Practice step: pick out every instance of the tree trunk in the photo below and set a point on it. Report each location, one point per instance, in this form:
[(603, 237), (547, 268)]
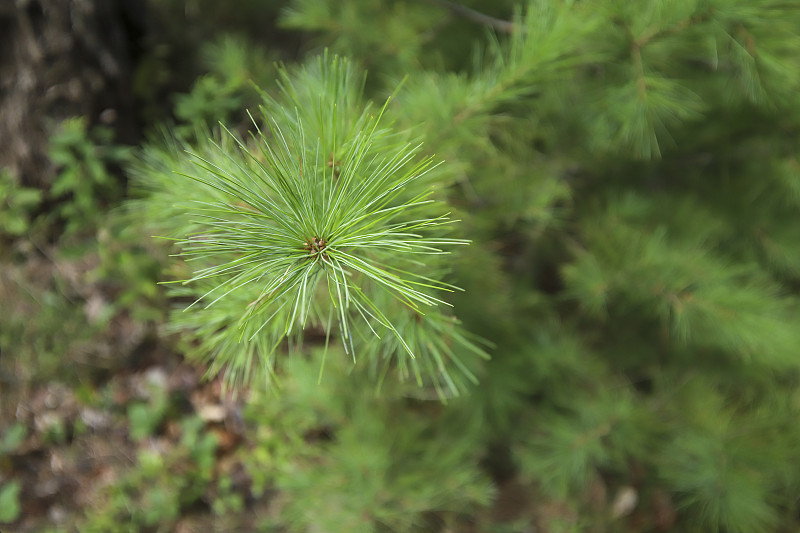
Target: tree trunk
[(63, 58)]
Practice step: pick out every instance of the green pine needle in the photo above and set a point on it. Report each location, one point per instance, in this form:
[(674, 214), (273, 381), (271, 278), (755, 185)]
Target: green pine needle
[(317, 217)]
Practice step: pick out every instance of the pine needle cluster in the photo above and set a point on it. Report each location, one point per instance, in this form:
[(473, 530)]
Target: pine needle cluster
[(325, 220)]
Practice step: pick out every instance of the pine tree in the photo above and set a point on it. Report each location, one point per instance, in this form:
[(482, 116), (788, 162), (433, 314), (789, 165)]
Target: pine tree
[(626, 176)]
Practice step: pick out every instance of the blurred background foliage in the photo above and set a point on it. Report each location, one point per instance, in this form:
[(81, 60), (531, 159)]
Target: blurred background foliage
[(628, 175)]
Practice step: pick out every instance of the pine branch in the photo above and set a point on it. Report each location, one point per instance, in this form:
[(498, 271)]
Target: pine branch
[(475, 16), (323, 218)]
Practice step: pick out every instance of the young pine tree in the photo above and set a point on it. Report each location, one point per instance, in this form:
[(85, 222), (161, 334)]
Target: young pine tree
[(627, 175)]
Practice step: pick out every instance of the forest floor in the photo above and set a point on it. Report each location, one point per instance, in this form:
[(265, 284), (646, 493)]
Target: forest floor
[(82, 403)]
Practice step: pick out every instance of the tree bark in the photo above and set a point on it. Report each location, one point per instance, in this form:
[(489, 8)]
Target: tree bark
[(58, 59)]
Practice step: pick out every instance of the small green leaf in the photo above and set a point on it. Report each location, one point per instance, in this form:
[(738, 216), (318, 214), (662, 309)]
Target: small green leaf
[(9, 502), (13, 437), (143, 421)]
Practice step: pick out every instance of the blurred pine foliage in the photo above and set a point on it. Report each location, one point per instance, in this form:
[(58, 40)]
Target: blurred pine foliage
[(627, 174)]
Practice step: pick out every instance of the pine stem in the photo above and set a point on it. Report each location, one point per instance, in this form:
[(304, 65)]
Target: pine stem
[(476, 16)]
